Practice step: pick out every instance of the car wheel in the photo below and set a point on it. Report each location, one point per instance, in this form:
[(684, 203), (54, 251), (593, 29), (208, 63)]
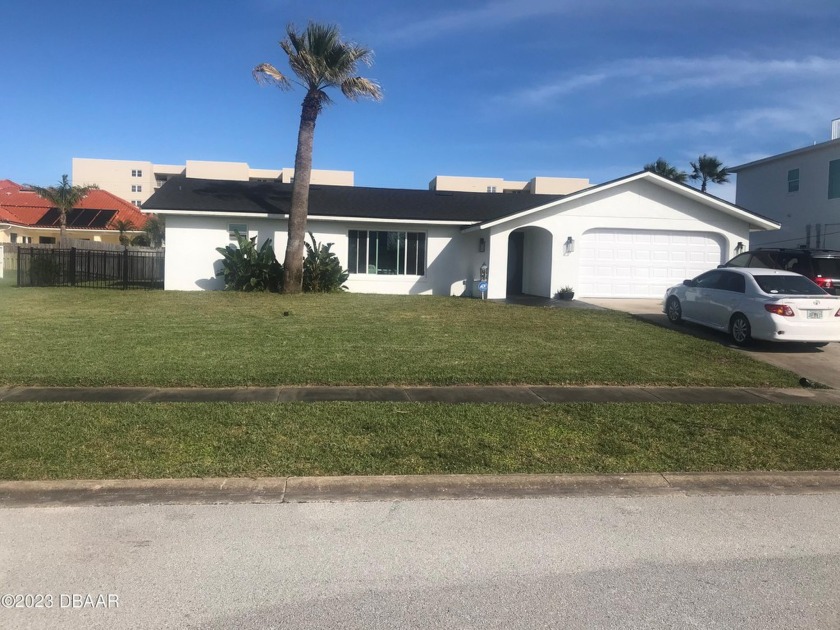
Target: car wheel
[(673, 310), (739, 329)]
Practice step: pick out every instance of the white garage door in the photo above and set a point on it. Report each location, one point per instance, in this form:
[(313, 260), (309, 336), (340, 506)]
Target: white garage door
[(642, 263)]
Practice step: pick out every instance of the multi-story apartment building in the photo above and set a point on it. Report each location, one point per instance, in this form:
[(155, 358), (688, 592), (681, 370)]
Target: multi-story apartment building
[(799, 189), (535, 186), (136, 180)]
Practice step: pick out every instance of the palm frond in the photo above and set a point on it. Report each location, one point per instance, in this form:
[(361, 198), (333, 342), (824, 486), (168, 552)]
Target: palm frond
[(355, 88), (266, 74)]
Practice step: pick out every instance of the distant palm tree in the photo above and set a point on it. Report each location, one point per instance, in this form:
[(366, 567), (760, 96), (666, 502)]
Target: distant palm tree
[(64, 198), (155, 230), (707, 169), (321, 60), (663, 169), (124, 226)]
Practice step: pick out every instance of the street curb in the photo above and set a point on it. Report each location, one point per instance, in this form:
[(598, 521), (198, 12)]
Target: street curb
[(117, 492)]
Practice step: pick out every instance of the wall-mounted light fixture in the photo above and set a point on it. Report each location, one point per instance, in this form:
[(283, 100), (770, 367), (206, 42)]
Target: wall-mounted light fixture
[(482, 245), (569, 246), (739, 248)]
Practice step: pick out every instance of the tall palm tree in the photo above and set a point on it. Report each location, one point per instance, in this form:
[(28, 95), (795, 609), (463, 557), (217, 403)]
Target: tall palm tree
[(64, 197), (663, 169), (707, 169), (320, 60)]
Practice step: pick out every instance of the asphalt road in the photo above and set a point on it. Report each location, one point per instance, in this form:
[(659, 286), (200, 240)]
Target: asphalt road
[(644, 562)]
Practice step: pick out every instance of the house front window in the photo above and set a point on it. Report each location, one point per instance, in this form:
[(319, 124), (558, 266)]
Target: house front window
[(235, 228), (387, 253), (834, 179), (793, 180)]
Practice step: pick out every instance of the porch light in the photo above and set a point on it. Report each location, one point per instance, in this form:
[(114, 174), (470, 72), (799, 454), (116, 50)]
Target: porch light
[(482, 245), (739, 248), (569, 245)]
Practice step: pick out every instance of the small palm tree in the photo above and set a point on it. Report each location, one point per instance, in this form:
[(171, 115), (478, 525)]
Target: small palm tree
[(124, 226), (64, 198), (155, 230), (663, 169), (320, 60), (707, 169)]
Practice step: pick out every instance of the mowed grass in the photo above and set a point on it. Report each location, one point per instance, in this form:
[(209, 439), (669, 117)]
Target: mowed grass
[(97, 440), (89, 337)]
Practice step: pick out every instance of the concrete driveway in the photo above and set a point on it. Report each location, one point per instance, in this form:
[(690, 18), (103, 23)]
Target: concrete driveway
[(821, 365)]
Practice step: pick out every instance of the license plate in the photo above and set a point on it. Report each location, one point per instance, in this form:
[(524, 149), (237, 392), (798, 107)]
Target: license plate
[(814, 314)]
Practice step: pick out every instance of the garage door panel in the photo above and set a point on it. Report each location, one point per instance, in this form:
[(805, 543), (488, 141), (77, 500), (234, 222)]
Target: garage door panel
[(642, 263)]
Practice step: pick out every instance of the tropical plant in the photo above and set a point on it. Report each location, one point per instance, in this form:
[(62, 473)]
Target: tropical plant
[(141, 240), (322, 272), (320, 59), (707, 169), (663, 169), (64, 198), (124, 226), (565, 293), (246, 268), (155, 230)]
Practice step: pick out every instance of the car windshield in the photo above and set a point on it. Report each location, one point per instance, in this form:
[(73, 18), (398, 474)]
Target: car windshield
[(827, 267), (788, 285)]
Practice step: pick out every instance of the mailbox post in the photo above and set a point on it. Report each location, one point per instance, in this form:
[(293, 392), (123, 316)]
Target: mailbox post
[(482, 280)]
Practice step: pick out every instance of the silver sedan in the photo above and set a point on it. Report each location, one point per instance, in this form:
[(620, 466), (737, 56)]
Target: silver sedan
[(751, 303)]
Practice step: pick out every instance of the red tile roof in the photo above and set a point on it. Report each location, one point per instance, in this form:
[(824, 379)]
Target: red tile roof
[(20, 205)]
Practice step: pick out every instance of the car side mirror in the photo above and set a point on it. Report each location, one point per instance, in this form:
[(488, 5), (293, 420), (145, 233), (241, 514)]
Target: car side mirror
[(688, 283), (721, 266)]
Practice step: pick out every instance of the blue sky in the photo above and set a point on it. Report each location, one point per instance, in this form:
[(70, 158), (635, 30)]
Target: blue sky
[(499, 88)]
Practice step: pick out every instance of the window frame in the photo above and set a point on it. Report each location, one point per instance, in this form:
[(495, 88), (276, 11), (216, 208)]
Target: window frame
[(362, 244), (834, 179), (793, 182), (232, 231)]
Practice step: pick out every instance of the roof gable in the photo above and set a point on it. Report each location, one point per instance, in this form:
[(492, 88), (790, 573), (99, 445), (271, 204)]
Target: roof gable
[(684, 190)]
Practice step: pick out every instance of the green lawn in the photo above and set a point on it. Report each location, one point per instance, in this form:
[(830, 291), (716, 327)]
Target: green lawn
[(66, 336), (89, 441)]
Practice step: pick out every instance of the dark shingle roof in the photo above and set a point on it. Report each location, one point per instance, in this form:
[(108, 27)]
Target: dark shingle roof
[(229, 197)]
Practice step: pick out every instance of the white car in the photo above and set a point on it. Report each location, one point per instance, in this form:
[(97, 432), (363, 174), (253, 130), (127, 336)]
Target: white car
[(753, 303)]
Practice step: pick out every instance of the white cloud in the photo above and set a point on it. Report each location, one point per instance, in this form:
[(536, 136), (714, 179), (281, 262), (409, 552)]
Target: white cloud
[(661, 75), (487, 15)]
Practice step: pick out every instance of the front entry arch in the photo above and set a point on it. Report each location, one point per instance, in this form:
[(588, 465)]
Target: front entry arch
[(529, 262)]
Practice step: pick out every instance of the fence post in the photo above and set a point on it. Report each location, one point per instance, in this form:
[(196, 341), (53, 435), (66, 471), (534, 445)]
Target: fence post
[(125, 268), (72, 270)]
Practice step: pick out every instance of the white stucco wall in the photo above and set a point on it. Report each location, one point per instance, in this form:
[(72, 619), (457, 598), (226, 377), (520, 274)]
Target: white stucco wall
[(638, 204), (763, 189), (452, 255), (192, 260)]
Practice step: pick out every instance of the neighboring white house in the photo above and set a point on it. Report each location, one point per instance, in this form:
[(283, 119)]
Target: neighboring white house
[(799, 189), (632, 237)]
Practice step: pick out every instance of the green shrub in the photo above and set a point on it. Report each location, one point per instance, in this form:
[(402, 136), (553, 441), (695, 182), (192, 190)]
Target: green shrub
[(44, 271), (246, 268), (322, 272)]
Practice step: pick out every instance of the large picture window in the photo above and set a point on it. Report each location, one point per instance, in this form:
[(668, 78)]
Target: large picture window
[(387, 253)]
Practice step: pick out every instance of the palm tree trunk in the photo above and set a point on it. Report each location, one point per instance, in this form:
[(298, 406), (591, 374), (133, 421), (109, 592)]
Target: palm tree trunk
[(293, 263), (62, 227)]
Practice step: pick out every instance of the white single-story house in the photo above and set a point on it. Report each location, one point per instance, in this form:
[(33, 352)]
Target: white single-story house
[(631, 237)]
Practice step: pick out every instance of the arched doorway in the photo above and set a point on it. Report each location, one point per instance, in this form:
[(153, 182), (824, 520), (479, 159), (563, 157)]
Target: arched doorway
[(529, 262)]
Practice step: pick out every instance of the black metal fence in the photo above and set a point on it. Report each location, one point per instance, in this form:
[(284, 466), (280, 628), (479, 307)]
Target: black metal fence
[(54, 267)]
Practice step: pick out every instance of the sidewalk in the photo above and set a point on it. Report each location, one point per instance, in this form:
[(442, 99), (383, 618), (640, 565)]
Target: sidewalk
[(533, 394)]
